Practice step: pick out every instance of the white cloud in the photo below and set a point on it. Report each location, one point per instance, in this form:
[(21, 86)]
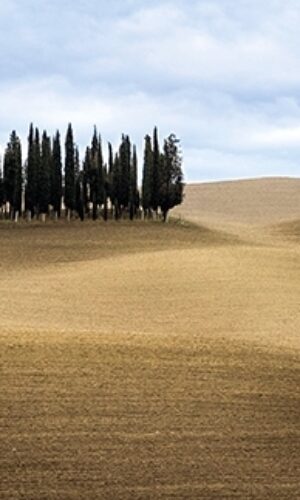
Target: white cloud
[(224, 75), (279, 137)]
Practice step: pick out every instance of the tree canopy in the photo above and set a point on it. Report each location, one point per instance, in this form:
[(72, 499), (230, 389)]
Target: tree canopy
[(90, 188)]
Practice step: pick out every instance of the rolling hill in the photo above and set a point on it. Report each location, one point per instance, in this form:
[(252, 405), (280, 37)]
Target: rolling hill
[(253, 201), (142, 360)]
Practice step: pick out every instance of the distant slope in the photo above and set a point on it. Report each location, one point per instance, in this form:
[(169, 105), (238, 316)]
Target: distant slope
[(254, 201)]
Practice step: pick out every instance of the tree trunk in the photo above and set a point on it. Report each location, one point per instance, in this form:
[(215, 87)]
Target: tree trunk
[(117, 211), (94, 210), (165, 214), (105, 210)]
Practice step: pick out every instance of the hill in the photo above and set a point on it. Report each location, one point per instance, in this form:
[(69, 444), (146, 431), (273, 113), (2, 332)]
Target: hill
[(253, 201), (143, 360)]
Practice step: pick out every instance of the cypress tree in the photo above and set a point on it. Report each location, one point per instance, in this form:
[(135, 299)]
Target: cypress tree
[(80, 196), (87, 166), (18, 181), (70, 190), (13, 175), (37, 167), (56, 179), (1, 190), (133, 189), (95, 175), (44, 179), (8, 173), (105, 192), (171, 176), (31, 176), (101, 174), (116, 186), (125, 157), (110, 173), (77, 163), (155, 172), (147, 183)]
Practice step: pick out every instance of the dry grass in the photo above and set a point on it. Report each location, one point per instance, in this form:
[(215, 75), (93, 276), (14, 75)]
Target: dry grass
[(149, 361), (253, 201)]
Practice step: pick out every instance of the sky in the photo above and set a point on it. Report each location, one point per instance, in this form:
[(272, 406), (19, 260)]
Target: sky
[(223, 75)]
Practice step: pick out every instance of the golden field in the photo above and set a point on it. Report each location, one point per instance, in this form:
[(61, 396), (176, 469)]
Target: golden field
[(142, 360)]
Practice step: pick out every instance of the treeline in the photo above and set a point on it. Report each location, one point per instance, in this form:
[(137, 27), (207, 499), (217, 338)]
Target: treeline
[(89, 188)]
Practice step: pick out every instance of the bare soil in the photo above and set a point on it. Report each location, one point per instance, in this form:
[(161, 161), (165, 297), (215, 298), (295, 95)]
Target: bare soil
[(151, 361)]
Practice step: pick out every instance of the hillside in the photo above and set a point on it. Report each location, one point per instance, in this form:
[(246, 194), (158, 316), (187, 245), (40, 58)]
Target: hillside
[(150, 360), (254, 201)]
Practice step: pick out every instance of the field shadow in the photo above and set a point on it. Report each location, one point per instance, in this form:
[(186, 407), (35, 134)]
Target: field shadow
[(287, 229), (35, 244)]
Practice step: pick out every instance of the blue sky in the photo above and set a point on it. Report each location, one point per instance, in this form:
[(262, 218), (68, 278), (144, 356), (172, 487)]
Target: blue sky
[(224, 75)]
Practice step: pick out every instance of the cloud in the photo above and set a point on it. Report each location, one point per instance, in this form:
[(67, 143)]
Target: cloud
[(225, 76), (279, 137)]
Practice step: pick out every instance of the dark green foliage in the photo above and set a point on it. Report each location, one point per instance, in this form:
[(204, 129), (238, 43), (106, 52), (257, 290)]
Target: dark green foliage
[(87, 165), (56, 177), (100, 175), (80, 195), (37, 161), (13, 174), (90, 189), (134, 200), (155, 172), (171, 176), (70, 189), (76, 163), (116, 186), (113, 183), (147, 186), (105, 192), (31, 187), (44, 175), (93, 176), (1, 189), (125, 157), (94, 173), (110, 172)]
